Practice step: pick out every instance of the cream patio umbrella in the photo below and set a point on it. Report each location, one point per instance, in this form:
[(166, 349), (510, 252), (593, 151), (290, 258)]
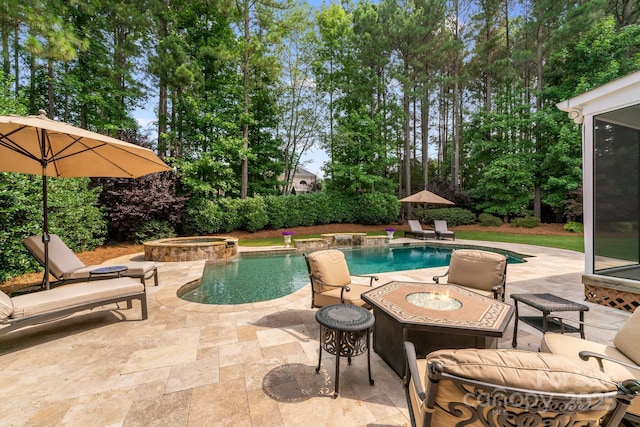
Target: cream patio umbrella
[(41, 146), (426, 197)]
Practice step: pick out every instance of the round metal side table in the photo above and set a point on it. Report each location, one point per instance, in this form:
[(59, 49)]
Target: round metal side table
[(345, 331)]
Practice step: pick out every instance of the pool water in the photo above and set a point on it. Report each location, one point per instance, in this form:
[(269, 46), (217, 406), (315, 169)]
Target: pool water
[(253, 278)]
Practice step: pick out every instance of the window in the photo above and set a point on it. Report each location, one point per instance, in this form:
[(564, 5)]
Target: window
[(616, 184)]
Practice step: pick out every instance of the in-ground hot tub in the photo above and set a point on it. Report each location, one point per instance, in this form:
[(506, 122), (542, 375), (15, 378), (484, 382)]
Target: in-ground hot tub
[(219, 248)]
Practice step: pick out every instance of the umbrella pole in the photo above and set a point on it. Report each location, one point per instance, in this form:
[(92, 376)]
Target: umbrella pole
[(45, 221), (45, 231)]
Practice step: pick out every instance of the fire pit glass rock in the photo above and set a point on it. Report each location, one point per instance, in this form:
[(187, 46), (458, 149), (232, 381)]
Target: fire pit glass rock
[(434, 301)]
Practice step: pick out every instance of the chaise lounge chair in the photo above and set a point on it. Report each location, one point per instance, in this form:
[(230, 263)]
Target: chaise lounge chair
[(442, 231), (66, 267), (331, 282), (491, 387), (418, 232), (481, 271), (37, 307)]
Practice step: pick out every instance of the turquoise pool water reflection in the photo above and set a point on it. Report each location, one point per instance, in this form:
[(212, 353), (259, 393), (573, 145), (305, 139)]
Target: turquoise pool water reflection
[(253, 278)]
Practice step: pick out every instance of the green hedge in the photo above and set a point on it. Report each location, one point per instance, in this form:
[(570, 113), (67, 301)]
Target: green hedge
[(453, 216), (275, 212)]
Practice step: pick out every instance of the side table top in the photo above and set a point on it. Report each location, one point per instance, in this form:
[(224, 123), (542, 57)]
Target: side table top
[(111, 269), (345, 317), (549, 302)]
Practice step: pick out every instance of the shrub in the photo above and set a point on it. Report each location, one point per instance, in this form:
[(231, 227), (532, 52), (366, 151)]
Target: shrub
[(488, 220), (453, 216), (153, 230), (525, 222), (254, 213), (230, 218), (574, 227), (202, 217), (376, 208)]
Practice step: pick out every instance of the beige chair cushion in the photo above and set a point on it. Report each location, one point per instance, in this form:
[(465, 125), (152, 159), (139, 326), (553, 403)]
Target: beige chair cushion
[(476, 269), (133, 269), (65, 265), (62, 297), (627, 339), (6, 306), (541, 372), (569, 347), (329, 266), (351, 297), (61, 258)]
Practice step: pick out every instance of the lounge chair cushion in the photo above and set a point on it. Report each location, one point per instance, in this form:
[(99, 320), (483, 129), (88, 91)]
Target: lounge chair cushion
[(6, 306), (511, 368), (62, 297), (626, 339), (329, 266), (65, 265), (476, 269), (133, 269), (570, 346)]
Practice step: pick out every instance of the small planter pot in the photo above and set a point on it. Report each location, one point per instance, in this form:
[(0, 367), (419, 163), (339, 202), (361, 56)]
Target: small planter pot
[(287, 241), (390, 234)]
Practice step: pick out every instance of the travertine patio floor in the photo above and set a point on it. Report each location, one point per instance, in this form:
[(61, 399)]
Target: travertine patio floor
[(247, 365)]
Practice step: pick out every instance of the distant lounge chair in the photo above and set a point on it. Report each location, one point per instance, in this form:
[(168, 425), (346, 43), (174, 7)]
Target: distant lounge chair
[(441, 230), (418, 232), (66, 267)]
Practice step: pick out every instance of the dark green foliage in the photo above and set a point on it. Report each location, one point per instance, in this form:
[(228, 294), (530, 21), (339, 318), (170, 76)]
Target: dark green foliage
[(254, 213), (153, 230), (230, 216), (453, 216), (574, 227), (202, 217), (488, 220), (377, 208), (73, 215), (276, 210), (525, 222)]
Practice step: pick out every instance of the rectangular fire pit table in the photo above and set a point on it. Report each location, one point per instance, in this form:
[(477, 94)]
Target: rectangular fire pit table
[(464, 320)]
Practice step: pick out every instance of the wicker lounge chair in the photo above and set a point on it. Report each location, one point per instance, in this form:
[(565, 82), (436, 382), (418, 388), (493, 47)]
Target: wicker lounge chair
[(37, 307), (481, 271), (331, 282), (492, 387), (418, 232), (66, 267), (442, 232)]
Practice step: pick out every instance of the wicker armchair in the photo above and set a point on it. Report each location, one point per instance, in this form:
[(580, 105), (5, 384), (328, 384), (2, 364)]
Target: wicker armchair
[(489, 387)]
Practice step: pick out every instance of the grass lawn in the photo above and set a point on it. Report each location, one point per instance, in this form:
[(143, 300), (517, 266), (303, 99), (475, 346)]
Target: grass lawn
[(574, 243)]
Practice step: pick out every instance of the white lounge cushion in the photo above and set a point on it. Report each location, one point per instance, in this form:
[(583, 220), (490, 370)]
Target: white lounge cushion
[(67, 296), (6, 306)]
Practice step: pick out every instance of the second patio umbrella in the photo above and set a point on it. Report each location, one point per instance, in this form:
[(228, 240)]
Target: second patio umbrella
[(41, 146)]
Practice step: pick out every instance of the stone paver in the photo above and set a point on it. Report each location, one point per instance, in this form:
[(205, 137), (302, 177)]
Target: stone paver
[(246, 365)]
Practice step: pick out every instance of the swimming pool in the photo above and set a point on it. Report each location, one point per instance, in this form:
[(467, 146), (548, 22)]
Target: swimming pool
[(253, 278)]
